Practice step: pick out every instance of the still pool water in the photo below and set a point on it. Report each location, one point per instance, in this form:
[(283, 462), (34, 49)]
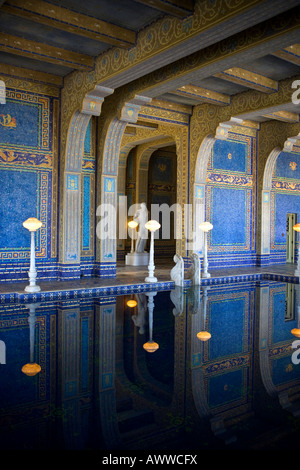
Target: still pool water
[(98, 388)]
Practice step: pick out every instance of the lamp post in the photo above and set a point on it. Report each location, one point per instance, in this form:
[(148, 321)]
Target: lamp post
[(297, 229), (132, 225), (205, 227), (32, 224), (152, 226)]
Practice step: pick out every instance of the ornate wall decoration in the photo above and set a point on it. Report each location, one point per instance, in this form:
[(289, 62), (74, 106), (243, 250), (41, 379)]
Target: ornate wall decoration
[(28, 169)]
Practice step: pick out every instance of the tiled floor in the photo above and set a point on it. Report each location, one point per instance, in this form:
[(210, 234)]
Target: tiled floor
[(132, 275)]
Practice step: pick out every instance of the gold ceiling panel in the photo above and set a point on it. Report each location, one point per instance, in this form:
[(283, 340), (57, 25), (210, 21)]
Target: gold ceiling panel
[(70, 21), (202, 95), (39, 51), (249, 79), (179, 8), (290, 54)]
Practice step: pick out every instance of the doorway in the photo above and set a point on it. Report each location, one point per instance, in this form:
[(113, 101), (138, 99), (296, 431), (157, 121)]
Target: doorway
[(290, 237)]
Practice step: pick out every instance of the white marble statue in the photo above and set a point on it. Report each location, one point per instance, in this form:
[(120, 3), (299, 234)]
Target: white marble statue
[(141, 217), (177, 273), (194, 271)]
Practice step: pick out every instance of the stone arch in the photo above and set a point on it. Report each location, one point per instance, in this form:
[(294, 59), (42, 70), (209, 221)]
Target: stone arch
[(106, 252), (70, 216), (199, 191), (265, 247)]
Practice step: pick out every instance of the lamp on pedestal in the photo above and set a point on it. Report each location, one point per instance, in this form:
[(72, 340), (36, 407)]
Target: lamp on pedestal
[(132, 225), (151, 346), (32, 224), (205, 227), (152, 226), (297, 229)]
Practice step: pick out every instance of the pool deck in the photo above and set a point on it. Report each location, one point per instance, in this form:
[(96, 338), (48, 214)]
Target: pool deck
[(130, 279)]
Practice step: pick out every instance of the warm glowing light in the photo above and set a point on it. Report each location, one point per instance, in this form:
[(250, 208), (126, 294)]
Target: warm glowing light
[(132, 303), (132, 224), (31, 369), (296, 332), (152, 225), (205, 226), (32, 224), (297, 227), (151, 346), (203, 335)]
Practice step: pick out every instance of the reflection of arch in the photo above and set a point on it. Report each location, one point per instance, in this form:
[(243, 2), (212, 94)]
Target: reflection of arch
[(2, 352), (70, 220), (265, 325), (198, 348), (266, 195)]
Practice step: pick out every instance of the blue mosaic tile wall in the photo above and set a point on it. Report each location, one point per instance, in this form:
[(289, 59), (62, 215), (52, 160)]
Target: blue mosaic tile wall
[(284, 199), (28, 184), (230, 202)]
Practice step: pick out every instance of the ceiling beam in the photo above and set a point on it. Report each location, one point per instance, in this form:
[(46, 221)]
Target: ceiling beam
[(70, 21), (285, 116), (290, 54), (202, 95), (45, 53), (179, 8), (249, 79), (35, 75)]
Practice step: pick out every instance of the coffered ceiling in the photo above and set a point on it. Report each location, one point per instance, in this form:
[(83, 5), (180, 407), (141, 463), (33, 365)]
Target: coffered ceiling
[(51, 39)]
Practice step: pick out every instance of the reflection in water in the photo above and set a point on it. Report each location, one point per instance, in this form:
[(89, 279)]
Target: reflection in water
[(98, 388)]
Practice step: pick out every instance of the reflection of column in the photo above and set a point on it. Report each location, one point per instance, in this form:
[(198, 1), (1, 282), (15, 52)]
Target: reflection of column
[(105, 334), (2, 352), (32, 368), (69, 373), (297, 271), (151, 346)]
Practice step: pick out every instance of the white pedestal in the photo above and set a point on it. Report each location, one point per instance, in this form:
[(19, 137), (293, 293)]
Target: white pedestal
[(137, 259)]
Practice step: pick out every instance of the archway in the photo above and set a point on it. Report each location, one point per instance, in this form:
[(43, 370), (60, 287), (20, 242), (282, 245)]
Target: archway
[(280, 195)]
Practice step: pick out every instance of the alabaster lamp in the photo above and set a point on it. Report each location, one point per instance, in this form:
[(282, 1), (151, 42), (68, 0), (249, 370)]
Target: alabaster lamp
[(32, 224), (152, 226), (297, 229), (132, 225), (151, 346), (205, 227)]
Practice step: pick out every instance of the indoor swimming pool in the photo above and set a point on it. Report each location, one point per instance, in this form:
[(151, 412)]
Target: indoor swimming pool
[(189, 369)]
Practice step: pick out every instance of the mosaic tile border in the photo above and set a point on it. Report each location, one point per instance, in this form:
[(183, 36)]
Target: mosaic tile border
[(83, 293)]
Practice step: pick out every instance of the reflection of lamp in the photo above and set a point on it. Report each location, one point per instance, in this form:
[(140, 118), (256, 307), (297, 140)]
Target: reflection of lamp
[(205, 227), (204, 335), (152, 226), (131, 303), (132, 225), (297, 229), (32, 368), (32, 224), (151, 346)]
